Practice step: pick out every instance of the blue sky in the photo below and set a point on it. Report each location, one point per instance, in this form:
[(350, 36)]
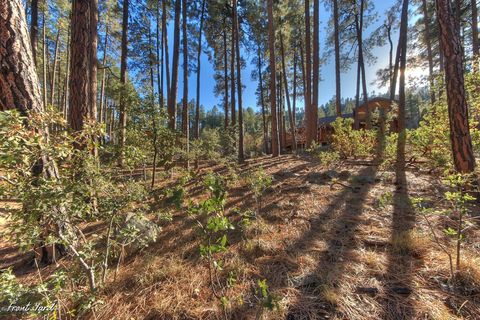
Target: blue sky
[(326, 86)]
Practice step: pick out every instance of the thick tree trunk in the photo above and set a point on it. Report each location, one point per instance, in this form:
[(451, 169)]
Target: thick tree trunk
[(463, 157), (308, 77), (290, 114), (338, 95), (185, 118), (426, 36), (241, 155), (123, 80), (199, 53), (273, 106), (82, 71), (172, 102), (20, 90)]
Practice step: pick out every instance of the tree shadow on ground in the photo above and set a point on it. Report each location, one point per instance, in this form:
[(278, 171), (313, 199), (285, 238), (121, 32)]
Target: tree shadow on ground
[(399, 295)]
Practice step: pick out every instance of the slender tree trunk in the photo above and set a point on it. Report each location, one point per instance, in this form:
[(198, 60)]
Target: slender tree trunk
[(185, 118), (55, 63), (290, 114), (123, 81), (34, 29), (262, 103), (199, 53), (402, 44), (104, 72), (308, 78), (236, 26), (165, 46), (67, 80), (338, 96), (232, 76), (475, 45), (312, 134), (159, 62), (294, 111), (359, 28), (172, 102), (356, 123), (154, 109), (93, 63), (273, 106), (44, 60), (225, 70), (463, 157), (281, 123), (426, 35)]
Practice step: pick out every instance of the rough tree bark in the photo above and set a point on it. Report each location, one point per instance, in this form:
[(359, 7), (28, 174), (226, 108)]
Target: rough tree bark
[(262, 103), (463, 157), (82, 68)]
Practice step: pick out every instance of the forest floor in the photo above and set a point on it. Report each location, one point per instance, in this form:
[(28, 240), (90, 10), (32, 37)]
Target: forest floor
[(331, 244)]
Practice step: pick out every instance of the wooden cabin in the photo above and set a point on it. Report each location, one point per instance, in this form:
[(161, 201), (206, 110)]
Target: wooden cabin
[(325, 129)]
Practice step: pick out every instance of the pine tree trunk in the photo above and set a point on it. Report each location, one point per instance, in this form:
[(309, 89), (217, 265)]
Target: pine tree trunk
[(262, 102), (44, 60), (426, 36), (34, 29), (159, 62), (402, 44), (225, 71), (308, 77), (290, 114), (82, 68), (55, 63), (165, 47), (199, 53), (232, 76), (273, 106), (93, 63), (312, 131), (463, 157), (241, 155), (123, 81), (475, 46), (338, 96), (104, 74), (185, 118), (172, 102)]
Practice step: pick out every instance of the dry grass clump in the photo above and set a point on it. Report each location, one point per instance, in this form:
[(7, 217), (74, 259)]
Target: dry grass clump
[(410, 242)]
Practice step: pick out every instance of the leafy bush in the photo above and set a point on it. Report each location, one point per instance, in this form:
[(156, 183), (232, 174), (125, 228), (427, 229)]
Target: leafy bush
[(350, 143)]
